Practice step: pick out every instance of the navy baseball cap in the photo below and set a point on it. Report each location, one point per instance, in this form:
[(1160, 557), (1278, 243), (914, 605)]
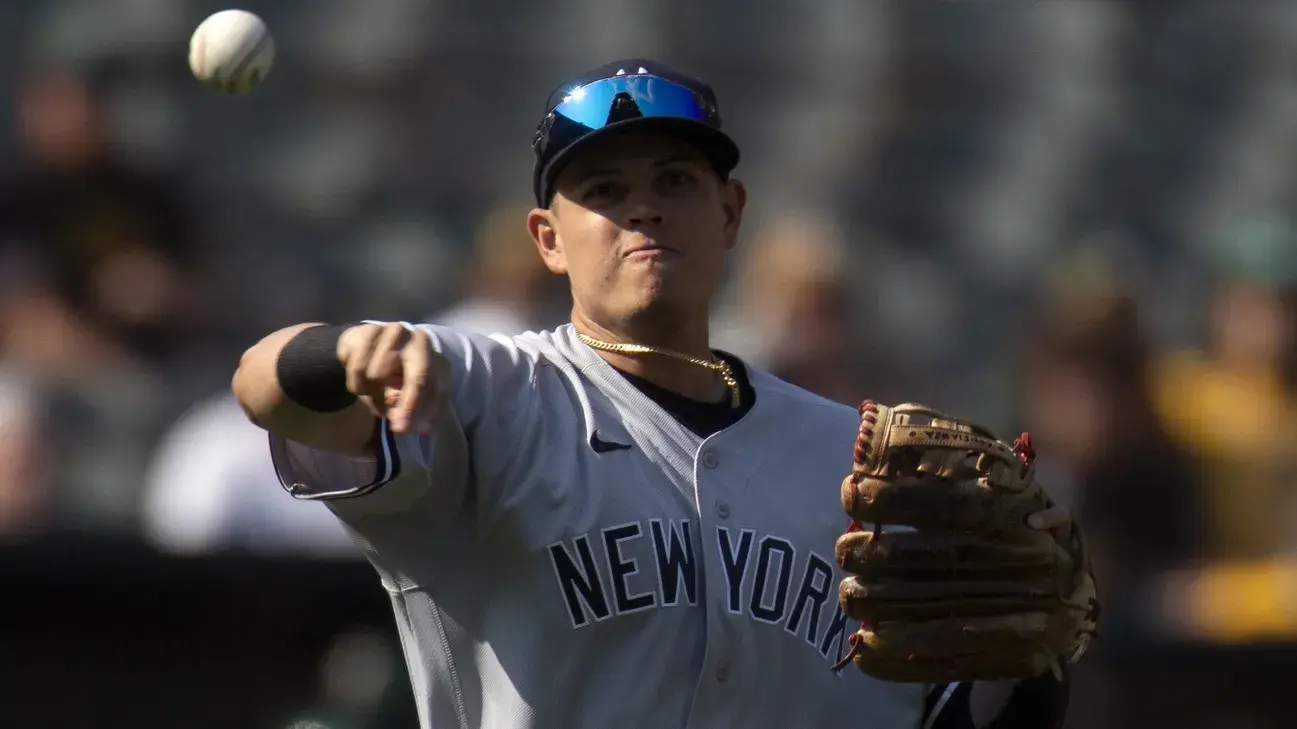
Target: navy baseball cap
[(629, 94)]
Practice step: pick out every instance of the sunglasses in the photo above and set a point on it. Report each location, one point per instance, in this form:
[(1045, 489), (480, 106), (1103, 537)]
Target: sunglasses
[(598, 104)]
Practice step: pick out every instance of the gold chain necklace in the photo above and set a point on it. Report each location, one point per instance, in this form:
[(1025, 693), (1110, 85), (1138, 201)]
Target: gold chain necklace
[(719, 366)]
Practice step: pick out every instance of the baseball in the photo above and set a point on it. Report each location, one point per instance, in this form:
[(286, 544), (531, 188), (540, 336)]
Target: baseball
[(232, 51)]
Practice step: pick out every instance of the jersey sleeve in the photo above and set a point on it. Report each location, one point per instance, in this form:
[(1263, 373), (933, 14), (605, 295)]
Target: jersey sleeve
[(311, 474), (491, 395)]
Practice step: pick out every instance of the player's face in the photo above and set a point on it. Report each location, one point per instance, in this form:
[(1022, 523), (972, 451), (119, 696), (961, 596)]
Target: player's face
[(641, 225)]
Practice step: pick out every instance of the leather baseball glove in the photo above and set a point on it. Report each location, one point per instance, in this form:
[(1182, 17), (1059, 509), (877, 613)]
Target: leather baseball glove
[(949, 583)]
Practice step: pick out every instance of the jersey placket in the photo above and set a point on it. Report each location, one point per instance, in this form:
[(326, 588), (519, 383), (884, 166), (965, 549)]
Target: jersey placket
[(720, 476)]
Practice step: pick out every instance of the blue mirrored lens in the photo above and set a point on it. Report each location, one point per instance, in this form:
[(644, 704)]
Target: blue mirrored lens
[(596, 105)]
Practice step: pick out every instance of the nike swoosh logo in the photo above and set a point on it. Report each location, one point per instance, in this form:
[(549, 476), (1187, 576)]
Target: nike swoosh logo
[(604, 446)]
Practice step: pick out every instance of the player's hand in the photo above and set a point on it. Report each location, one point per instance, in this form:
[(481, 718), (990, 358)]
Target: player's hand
[(1055, 518), (396, 373)]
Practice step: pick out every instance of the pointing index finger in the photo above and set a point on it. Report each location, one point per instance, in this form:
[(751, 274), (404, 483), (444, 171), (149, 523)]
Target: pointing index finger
[(415, 363)]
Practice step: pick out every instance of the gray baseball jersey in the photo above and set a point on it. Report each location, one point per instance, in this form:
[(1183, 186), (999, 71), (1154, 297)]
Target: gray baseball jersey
[(563, 553)]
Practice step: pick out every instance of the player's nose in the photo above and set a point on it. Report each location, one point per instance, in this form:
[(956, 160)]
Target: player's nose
[(644, 212)]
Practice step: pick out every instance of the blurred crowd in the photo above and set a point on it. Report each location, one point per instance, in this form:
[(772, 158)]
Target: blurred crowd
[(1073, 218)]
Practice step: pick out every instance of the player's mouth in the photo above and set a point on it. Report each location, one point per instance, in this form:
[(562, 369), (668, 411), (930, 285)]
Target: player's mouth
[(652, 251)]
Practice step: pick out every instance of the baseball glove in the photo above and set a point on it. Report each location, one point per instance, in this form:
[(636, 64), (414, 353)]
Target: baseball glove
[(949, 583)]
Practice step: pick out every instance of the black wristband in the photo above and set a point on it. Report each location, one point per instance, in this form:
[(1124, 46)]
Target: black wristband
[(309, 371)]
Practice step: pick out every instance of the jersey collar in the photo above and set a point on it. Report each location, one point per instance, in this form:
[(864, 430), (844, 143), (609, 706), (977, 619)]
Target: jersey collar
[(611, 384)]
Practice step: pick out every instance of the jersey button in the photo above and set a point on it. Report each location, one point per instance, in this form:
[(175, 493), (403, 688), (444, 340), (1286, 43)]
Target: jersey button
[(722, 672), (723, 509), (709, 460)]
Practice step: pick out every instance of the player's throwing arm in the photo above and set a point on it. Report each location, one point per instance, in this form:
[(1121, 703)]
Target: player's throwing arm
[(324, 386)]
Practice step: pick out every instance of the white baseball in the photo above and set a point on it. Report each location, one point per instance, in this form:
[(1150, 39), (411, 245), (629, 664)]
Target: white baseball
[(232, 51)]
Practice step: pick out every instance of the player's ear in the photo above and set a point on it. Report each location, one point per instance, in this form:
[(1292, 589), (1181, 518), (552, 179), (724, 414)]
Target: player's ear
[(542, 224), (734, 198)]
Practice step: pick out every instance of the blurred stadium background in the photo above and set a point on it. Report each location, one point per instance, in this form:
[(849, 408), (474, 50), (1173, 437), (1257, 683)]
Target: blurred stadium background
[(1074, 217)]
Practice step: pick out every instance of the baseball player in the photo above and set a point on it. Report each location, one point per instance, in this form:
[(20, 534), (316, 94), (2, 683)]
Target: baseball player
[(609, 524)]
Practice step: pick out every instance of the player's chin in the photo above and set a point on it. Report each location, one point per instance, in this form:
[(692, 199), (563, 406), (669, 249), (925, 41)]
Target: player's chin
[(663, 282), (670, 293)]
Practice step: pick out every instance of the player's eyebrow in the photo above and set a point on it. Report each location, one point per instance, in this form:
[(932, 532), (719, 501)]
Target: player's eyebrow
[(673, 159), (676, 159), (587, 175)]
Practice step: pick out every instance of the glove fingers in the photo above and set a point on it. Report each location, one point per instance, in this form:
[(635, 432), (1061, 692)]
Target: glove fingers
[(922, 556), (874, 602), (939, 462), (973, 649), (873, 612), (925, 502)]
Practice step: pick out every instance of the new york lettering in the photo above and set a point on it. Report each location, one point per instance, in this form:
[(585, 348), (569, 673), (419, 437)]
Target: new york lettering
[(642, 566)]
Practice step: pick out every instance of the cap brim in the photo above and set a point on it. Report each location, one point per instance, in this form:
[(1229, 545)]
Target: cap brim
[(720, 150)]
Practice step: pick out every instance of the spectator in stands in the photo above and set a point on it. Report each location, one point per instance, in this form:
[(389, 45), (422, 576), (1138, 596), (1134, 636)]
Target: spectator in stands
[(211, 488), (1089, 404), (794, 311), (507, 288), (96, 259), (1235, 402)]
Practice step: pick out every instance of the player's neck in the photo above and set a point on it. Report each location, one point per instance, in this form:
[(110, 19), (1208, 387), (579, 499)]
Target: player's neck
[(682, 378)]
